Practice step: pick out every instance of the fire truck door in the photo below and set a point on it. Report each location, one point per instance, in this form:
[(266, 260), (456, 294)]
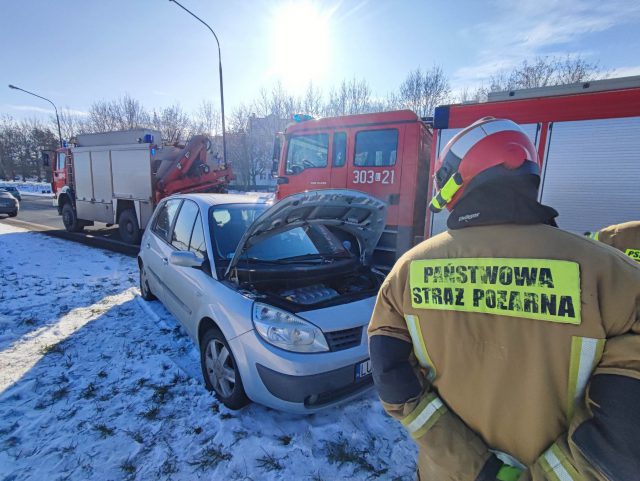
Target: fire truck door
[(376, 163), (306, 163), (339, 160)]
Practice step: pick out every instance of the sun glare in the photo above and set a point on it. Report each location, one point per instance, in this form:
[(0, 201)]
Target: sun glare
[(301, 44)]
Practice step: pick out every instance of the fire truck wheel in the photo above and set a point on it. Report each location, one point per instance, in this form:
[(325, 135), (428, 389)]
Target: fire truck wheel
[(128, 227), (70, 219)]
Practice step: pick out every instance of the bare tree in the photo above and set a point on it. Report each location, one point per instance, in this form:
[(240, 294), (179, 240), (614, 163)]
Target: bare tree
[(121, 114), (351, 97), (71, 124), (21, 144), (172, 122), (312, 101), (546, 71), (207, 119), (423, 91)]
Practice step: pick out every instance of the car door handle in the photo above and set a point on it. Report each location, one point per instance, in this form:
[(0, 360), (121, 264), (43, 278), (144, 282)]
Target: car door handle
[(165, 261), (148, 245)]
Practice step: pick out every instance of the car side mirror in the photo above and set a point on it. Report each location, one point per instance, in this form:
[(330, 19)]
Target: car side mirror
[(185, 259)]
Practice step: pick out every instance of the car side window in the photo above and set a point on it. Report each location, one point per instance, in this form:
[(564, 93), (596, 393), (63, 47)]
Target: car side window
[(184, 225), (164, 219), (197, 244)]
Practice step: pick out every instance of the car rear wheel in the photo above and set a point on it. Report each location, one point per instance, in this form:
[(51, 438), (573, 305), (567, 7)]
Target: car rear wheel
[(13, 214), (145, 290), (220, 371)]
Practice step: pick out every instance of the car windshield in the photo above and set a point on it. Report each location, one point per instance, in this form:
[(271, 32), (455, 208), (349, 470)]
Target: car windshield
[(299, 243), (228, 225), (230, 222)]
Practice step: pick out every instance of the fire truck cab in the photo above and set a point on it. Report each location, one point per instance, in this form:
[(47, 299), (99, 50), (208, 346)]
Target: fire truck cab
[(587, 136), (385, 154)]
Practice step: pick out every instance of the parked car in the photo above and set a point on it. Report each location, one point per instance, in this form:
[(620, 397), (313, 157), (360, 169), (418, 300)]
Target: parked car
[(13, 191), (277, 297), (8, 204)]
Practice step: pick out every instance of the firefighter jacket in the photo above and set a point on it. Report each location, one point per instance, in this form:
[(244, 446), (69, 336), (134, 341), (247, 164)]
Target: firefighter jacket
[(624, 237), (514, 344)]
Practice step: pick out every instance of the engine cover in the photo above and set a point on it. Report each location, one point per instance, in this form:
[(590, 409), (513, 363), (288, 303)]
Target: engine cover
[(310, 294)]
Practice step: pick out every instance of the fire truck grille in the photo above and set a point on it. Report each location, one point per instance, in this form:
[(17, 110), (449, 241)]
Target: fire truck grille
[(346, 339)]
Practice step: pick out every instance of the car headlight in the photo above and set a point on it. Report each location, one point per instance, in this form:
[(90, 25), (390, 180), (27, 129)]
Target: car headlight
[(286, 331)]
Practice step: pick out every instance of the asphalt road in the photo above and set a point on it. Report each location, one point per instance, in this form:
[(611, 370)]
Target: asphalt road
[(38, 214)]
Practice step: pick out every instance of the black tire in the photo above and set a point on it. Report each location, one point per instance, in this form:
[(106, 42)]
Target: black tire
[(230, 393), (70, 219), (145, 290), (13, 214), (128, 227)]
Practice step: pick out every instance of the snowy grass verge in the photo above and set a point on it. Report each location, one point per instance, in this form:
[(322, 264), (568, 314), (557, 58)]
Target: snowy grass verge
[(98, 384)]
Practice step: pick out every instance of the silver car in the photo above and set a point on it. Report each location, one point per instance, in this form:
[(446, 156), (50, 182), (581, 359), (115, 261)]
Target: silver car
[(277, 297), (8, 204)]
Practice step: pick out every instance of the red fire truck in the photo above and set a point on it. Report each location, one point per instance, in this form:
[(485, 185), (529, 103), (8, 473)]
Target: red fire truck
[(119, 177), (587, 135)]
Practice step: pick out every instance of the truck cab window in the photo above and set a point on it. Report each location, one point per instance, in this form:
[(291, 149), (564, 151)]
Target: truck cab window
[(376, 148), (61, 159), (184, 225), (339, 149), (306, 152)]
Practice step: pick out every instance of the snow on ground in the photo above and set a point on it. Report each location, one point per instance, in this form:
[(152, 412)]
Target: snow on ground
[(30, 188), (95, 383)]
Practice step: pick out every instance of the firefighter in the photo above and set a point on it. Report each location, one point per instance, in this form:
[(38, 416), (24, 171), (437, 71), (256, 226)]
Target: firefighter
[(508, 348), (624, 237)]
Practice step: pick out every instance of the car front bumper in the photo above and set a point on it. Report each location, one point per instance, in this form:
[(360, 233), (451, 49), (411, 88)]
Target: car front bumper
[(299, 383)]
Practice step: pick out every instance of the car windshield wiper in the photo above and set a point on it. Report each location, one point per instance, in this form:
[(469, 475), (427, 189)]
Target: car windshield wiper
[(301, 259)]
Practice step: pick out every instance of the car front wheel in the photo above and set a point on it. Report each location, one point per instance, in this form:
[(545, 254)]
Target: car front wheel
[(13, 214), (220, 371)]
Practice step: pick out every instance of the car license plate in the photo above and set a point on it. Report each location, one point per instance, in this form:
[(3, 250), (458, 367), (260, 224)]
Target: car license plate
[(363, 369)]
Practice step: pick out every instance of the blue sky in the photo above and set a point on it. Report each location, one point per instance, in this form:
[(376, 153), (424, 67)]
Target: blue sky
[(79, 51)]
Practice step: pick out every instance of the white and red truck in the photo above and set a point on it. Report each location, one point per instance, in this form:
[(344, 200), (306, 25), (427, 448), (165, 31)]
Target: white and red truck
[(587, 135), (119, 177)]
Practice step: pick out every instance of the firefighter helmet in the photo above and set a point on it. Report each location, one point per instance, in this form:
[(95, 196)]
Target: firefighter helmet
[(487, 149)]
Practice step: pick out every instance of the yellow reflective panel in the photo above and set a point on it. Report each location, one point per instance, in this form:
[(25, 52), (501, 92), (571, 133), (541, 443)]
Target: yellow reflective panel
[(633, 253), (541, 289)]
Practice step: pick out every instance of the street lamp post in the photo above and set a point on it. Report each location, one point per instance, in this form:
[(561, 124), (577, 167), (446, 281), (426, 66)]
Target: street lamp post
[(224, 141), (43, 98)]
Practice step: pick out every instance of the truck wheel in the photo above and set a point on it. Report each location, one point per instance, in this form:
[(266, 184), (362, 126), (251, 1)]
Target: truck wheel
[(220, 372), (128, 227), (70, 219)]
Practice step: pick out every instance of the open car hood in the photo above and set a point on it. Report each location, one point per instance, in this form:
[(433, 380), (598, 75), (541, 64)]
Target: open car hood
[(357, 213)]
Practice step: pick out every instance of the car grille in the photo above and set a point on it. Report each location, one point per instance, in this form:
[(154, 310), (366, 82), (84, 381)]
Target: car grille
[(340, 340)]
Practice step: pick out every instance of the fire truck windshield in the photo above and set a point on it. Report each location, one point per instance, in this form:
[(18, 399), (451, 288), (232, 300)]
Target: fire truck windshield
[(307, 151)]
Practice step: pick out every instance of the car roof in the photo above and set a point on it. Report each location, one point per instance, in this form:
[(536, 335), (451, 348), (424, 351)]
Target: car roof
[(205, 200)]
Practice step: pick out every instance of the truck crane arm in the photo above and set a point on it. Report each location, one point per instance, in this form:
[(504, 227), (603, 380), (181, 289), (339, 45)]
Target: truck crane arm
[(188, 170)]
